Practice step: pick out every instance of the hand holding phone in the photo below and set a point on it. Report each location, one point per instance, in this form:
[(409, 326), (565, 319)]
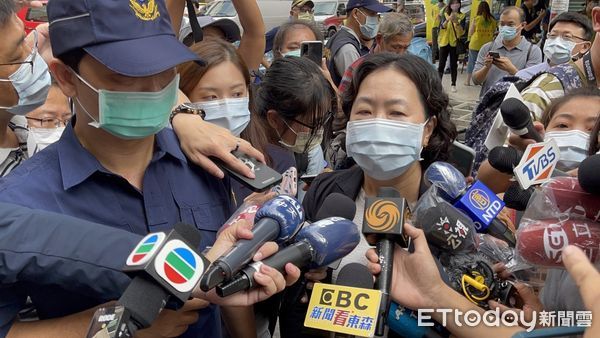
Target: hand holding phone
[(312, 50), (265, 176), (494, 55)]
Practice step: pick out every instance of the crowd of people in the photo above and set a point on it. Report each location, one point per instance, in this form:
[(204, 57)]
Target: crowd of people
[(116, 121)]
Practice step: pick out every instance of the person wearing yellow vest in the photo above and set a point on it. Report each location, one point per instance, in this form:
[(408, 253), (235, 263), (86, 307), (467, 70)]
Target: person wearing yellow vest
[(451, 30), (481, 32), (436, 8)]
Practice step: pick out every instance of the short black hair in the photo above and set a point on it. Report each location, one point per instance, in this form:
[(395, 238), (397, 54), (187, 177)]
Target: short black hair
[(578, 19), (432, 95), (289, 26), (72, 58), (8, 8)]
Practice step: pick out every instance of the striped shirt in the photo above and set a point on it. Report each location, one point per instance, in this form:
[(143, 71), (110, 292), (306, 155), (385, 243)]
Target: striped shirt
[(12, 157), (540, 93)]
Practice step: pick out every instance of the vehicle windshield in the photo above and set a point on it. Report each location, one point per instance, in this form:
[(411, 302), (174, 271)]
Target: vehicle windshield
[(221, 9), (325, 8)]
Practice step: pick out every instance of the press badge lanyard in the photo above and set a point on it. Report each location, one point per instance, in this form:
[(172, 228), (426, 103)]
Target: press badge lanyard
[(588, 67)]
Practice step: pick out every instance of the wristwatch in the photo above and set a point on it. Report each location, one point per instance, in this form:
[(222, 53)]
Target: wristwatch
[(186, 108)]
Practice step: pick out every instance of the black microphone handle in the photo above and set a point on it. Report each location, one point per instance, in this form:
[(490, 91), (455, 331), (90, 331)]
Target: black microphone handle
[(299, 254), (385, 251), (499, 230), (144, 299), (529, 132), (241, 253)]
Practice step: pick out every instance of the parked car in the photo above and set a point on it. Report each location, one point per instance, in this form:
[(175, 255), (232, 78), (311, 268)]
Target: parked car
[(274, 12), (32, 17), (329, 15)]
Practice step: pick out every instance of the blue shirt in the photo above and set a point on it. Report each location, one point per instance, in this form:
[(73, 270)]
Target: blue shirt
[(66, 178)]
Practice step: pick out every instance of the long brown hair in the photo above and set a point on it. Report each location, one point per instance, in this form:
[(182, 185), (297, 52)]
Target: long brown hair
[(214, 52)]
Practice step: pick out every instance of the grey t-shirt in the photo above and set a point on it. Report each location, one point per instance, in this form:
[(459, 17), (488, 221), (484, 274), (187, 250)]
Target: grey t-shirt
[(346, 55), (524, 55)]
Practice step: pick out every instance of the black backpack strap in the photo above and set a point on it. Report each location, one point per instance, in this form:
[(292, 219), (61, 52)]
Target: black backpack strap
[(196, 29)]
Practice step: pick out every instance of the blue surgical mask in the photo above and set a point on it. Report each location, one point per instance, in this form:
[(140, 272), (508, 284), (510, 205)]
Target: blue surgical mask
[(31, 85), (384, 149), (133, 115), (292, 53), (558, 50), (508, 33), (232, 114), (371, 26)]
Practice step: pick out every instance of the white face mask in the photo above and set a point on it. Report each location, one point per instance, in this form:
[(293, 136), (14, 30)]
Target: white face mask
[(232, 114), (302, 144), (573, 146), (384, 148), (40, 138)]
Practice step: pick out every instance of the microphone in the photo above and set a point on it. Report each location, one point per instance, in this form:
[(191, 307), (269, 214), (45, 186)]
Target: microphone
[(588, 176), (384, 216), (504, 159), (355, 275), (405, 322), (447, 228), (517, 117), (337, 205), (541, 242), (316, 245), (278, 219), (569, 197), (477, 201), (162, 266), (517, 198)]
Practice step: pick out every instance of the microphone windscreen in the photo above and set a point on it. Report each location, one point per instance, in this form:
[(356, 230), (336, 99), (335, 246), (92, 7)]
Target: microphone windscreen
[(337, 205), (447, 228), (589, 179), (449, 179), (541, 242), (517, 198), (330, 239), (504, 159), (355, 275), (568, 196), (515, 113), (190, 233)]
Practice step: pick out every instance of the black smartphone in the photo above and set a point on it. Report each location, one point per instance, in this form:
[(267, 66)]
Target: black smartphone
[(265, 176), (462, 157), (308, 178), (312, 50), (494, 55)]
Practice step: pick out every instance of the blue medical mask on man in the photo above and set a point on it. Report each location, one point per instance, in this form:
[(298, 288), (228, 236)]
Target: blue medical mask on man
[(371, 26), (508, 32)]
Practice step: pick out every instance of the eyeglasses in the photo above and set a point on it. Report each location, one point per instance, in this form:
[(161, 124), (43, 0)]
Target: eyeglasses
[(304, 9), (47, 122), (30, 58), (564, 36), (326, 119)]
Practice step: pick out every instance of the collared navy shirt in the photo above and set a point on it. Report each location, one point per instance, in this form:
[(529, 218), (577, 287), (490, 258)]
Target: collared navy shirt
[(66, 178)]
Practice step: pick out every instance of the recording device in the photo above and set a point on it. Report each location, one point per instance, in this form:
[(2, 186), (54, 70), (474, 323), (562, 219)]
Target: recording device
[(316, 245), (308, 179), (312, 50), (462, 157), (477, 200), (163, 267), (589, 180), (278, 219), (541, 242), (265, 176), (404, 322), (384, 216), (517, 117), (447, 228), (504, 159), (472, 276), (494, 55)]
